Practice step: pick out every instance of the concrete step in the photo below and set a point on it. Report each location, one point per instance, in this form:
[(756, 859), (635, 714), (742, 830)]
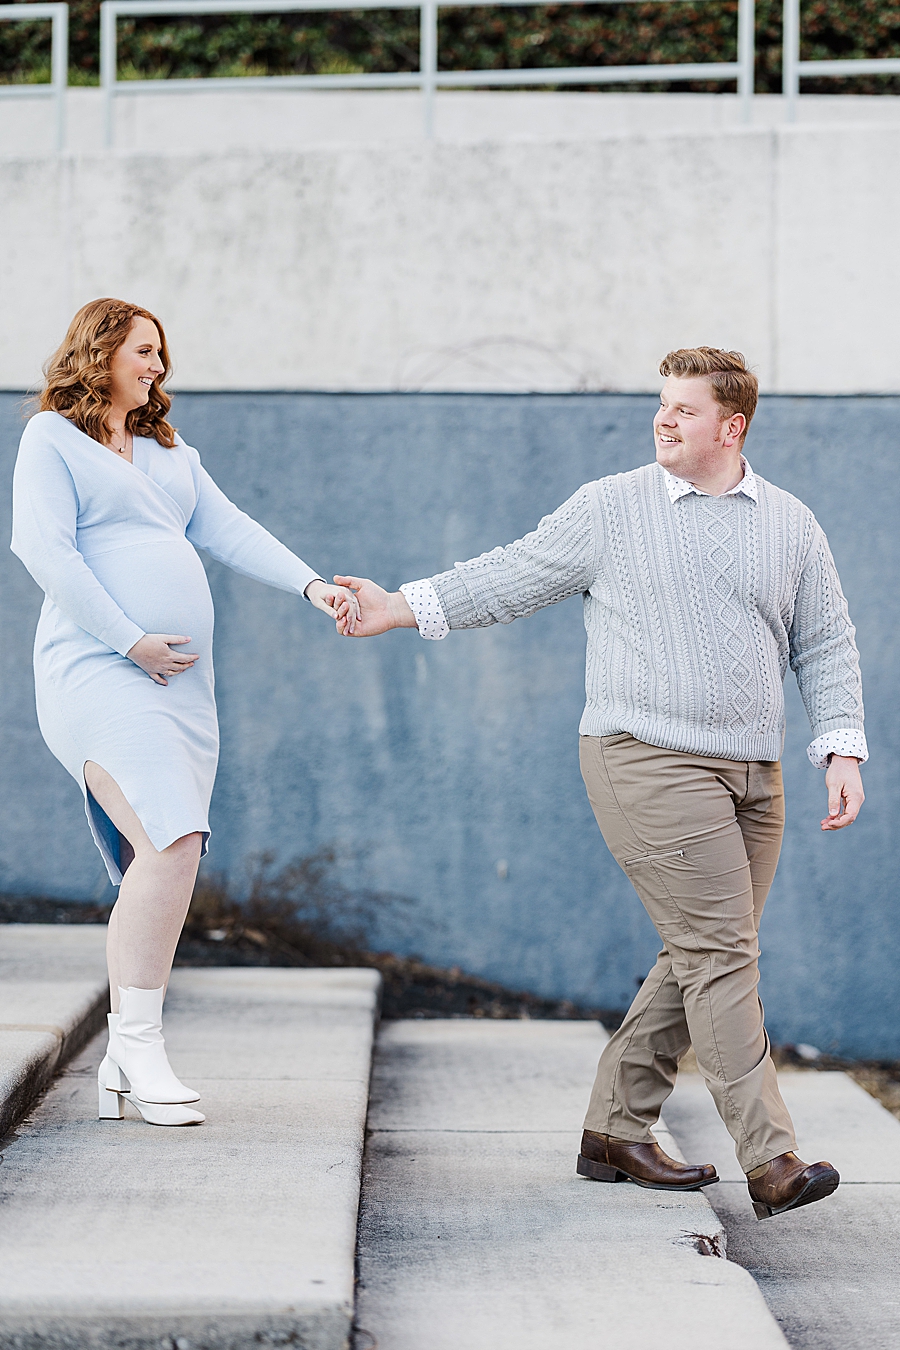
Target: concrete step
[(236, 1234), (828, 1271), (53, 999), (475, 1230)]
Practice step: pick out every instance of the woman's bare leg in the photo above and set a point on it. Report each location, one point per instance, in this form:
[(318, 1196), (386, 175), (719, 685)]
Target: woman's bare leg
[(156, 890)]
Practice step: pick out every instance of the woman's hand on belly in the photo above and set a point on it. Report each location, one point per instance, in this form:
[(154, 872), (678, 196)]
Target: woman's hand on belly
[(153, 653)]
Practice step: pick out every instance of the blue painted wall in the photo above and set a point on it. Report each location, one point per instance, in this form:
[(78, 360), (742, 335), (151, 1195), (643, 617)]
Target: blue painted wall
[(430, 762)]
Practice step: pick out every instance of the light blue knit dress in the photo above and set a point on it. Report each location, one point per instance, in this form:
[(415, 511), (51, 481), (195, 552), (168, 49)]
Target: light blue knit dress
[(112, 545)]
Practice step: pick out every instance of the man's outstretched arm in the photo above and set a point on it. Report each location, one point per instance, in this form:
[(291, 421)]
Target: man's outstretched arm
[(553, 562), (379, 610)]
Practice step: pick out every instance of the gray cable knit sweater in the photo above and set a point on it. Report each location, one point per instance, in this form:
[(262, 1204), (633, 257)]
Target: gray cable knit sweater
[(693, 610)]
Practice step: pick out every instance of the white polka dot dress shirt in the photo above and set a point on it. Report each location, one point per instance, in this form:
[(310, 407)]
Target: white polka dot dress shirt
[(432, 623), (423, 600), (680, 487)]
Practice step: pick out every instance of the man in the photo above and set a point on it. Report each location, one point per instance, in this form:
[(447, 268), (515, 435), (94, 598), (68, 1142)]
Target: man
[(701, 582)]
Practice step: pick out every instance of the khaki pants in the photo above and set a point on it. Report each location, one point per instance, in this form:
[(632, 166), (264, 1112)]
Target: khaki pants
[(699, 839)]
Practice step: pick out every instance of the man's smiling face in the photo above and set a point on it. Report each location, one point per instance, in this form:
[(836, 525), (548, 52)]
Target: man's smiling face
[(692, 431)]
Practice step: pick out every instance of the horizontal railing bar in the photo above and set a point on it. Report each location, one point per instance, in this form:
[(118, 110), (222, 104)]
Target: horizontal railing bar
[(442, 79), (45, 89), (712, 70), (884, 65), (386, 80), (141, 8), (18, 13)]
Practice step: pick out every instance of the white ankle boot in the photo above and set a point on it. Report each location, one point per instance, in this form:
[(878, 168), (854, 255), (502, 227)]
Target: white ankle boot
[(136, 1065)]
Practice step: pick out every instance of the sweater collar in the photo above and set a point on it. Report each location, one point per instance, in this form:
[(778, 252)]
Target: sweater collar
[(680, 487)]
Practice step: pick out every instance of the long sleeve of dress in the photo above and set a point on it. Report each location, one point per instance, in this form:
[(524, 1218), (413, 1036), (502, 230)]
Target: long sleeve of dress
[(823, 651), (556, 560), (45, 514), (232, 537)]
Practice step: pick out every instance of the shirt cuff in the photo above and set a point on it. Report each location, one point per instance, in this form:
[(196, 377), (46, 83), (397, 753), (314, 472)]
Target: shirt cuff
[(844, 741), (423, 600), (125, 636)]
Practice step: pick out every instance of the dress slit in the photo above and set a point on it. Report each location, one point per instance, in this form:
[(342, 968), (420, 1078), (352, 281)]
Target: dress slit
[(106, 834)]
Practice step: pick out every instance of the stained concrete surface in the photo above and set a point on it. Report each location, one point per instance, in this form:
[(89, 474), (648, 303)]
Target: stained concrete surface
[(828, 1271), (476, 1231), (385, 263), (53, 998), (239, 1232)]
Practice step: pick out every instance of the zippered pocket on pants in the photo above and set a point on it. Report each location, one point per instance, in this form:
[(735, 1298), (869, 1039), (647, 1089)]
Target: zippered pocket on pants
[(655, 857)]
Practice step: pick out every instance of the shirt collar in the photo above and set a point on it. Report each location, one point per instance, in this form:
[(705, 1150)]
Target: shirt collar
[(680, 487)]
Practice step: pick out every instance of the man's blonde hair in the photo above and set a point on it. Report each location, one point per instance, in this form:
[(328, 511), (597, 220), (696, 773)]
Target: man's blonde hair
[(734, 387)]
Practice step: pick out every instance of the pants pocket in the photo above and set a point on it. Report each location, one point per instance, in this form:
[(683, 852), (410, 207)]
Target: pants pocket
[(654, 857)]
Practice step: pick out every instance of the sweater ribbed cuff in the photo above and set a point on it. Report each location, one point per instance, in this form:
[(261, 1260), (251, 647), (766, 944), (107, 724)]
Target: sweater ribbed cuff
[(456, 602)]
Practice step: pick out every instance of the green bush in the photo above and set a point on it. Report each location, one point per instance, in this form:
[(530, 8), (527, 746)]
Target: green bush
[(476, 38)]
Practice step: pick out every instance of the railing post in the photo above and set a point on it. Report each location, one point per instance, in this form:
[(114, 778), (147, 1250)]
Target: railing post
[(790, 72), (746, 56), (108, 69), (59, 69), (428, 42)]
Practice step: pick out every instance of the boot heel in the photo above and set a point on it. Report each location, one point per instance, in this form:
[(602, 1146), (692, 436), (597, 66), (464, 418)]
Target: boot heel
[(761, 1210), (115, 1078), (597, 1171), (110, 1104)]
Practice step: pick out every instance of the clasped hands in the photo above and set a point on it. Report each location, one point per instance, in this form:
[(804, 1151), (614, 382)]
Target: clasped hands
[(362, 609)]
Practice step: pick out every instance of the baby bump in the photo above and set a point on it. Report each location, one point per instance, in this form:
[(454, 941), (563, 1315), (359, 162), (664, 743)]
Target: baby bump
[(161, 586)]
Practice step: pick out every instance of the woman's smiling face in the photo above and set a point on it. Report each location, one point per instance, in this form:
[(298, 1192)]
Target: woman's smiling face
[(135, 366)]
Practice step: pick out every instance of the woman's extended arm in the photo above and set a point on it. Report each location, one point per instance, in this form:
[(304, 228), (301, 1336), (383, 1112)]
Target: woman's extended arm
[(232, 537)]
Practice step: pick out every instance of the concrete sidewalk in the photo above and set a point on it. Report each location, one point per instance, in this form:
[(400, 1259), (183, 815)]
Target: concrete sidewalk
[(240, 1232), (475, 1230), (53, 999), (828, 1271)]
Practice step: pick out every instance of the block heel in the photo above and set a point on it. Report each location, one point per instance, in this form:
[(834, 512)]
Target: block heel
[(115, 1078), (110, 1105), (598, 1171)]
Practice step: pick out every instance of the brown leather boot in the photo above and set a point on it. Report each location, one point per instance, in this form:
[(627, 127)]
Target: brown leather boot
[(603, 1158), (787, 1183)]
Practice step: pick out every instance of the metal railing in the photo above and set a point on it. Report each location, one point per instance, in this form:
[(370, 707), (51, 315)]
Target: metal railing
[(427, 78), (58, 14), (794, 70)]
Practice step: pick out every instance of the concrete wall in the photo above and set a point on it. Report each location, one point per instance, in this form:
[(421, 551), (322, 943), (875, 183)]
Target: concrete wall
[(430, 763), (537, 244)]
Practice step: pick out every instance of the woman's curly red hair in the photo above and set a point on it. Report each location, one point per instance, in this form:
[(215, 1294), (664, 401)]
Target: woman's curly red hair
[(78, 379)]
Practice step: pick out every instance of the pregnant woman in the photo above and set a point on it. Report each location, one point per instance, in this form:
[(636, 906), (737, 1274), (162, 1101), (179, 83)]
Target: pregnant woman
[(109, 504)]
